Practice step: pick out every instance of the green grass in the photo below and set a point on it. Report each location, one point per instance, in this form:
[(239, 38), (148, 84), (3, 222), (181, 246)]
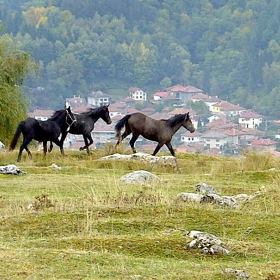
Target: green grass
[(86, 224)]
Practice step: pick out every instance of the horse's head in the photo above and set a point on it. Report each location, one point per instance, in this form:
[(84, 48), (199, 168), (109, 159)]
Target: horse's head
[(188, 123), (70, 117), (105, 115)]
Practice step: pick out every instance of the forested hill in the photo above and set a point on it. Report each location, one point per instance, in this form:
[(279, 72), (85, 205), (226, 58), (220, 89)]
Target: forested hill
[(227, 48)]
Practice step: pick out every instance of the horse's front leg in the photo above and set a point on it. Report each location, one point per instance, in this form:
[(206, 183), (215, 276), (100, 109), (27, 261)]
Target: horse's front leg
[(60, 145), (170, 148), (159, 145), (61, 141)]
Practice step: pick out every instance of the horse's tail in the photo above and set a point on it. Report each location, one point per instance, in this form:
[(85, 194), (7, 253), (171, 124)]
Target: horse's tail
[(16, 137), (120, 124)]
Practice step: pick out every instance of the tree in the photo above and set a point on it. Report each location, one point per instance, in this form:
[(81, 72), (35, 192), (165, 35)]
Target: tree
[(15, 66)]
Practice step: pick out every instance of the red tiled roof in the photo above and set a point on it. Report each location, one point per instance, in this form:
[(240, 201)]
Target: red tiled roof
[(226, 106), (41, 113), (200, 96), (160, 116), (180, 88), (264, 142), (182, 111), (249, 114), (161, 93)]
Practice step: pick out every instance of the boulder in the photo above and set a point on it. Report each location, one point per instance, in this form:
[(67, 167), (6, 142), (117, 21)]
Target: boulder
[(140, 177), (153, 160), (11, 169), (207, 242)]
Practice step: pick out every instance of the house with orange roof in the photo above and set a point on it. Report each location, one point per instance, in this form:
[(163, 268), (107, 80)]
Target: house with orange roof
[(182, 111), (160, 116), (214, 139), (211, 101), (264, 145), (233, 135), (76, 101), (249, 133), (81, 109), (190, 148), (221, 124), (183, 93), (148, 111), (250, 119), (199, 97), (160, 95), (40, 114), (227, 108)]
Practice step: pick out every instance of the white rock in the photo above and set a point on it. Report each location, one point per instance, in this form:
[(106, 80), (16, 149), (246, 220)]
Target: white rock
[(195, 197), (11, 169), (141, 176)]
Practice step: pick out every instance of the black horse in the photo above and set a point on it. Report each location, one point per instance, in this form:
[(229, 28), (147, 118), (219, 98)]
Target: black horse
[(43, 131), (85, 124), (160, 131)]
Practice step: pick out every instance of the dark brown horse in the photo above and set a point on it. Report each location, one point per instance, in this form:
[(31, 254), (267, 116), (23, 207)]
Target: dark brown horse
[(160, 131)]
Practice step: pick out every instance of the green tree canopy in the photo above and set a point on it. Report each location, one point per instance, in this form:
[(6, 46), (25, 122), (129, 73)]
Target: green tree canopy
[(15, 65)]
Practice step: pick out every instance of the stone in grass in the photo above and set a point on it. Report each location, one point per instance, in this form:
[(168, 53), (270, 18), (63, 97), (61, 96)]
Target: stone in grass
[(140, 177), (239, 274), (207, 242), (11, 169)]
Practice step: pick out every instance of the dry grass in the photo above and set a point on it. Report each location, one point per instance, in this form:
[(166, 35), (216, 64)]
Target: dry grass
[(81, 222)]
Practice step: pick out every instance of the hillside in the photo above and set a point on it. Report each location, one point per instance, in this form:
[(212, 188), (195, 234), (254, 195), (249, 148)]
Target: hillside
[(227, 48)]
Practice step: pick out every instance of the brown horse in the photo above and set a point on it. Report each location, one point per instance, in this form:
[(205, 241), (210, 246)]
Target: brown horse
[(160, 131)]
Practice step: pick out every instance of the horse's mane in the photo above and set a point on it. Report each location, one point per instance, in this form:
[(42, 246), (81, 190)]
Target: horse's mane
[(56, 114), (92, 111), (177, 119)]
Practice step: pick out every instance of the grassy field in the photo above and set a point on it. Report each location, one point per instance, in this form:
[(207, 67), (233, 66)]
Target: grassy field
[(86, 224)]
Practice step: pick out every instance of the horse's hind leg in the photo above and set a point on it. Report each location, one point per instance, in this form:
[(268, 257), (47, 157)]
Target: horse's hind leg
[(132, 142), (60, 145), (125, 134), (87, 144), (22, 147), (51, 146), (45, 148)]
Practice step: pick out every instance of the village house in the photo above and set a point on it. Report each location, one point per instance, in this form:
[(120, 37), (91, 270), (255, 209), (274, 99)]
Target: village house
[(76, 101), (212, 100), (263, 145), (233, 136), (214, 139), (98, 98), (188, 137), (40, 114), (183, 93), (228, 109), (250, 119), (199, 97), (137, 94), (160, 95)]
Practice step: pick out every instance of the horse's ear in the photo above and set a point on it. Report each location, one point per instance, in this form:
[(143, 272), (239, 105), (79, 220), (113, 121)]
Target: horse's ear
[(108, 105), (67, 105), (187, 116)]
